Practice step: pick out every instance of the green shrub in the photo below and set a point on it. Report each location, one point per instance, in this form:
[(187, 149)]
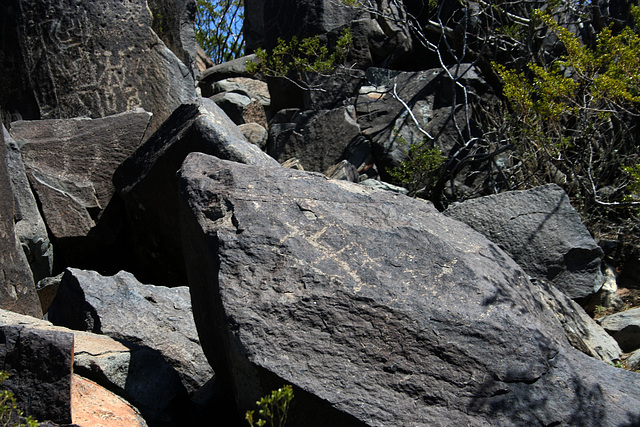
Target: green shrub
[(273, 408), (294, 58), (420, 168)]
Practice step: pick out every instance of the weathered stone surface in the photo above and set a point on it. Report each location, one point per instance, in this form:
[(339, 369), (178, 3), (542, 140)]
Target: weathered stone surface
[(85, 58), (383, 115), (377, 308), (136, 373), (148, 184), (241, 108), (151, 316), (234, 68), (581, 330), (542, 232), (381, 185), (303, 18), (39, 362), (96, 406), (317, 138), (70, 165), (253, 88), (173, 21), (29, 225), (344, 171), (255, 134), (17, 289), (624, 327)]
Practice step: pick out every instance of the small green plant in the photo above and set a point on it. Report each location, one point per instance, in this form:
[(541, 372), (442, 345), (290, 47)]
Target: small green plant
[(567, 118), (273, 408), (294, 58), (420, 168), (617, 364), (10, 414)]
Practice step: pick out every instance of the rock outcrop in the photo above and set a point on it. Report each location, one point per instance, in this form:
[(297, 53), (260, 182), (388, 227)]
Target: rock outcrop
[(150, 316), (17, 290), (29, 225), (148, 185), (542, 232), (83, 58), (377, 308)]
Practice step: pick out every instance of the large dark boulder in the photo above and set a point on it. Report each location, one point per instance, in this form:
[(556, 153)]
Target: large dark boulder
[(317, 138), (173, 21), (39, 362), (377, 308), (542, 232), (384, 102), (30, 227), (87, 58), (148, 184), (70, 165), (17, 288), (119, 306)]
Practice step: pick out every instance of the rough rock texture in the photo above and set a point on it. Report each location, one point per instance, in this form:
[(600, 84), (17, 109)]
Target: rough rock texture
[(255, 134), (624, 327), (70, 165), (151, 316), (384, 118), (17, 288), (581, 330), (317, 138), (87, 58), (173, 21), (303, 18), (542, 232), (134, 372), (377, 308), (148, 184), (39, 362), (234, 68), (29, 225), (95, 406)]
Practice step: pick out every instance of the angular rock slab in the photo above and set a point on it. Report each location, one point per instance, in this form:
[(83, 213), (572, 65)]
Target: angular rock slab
[(317, 138), (30, 228), (542, 232), (39, 361), (70, 165), (624, 327), (148, 184), (95, 59), (377, 308), (151, 316), (17, 288)]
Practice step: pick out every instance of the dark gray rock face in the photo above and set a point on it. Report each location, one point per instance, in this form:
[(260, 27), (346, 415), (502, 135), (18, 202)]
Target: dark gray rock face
[(95, 59), (316, 138), (70, 165), (377, 308), (148, 184), (17, 290), (173, 21), (542, 232), (303, 18), (624, 327), (30, 227), (39, 362), (384, 102), (581, 330), (151, 316)]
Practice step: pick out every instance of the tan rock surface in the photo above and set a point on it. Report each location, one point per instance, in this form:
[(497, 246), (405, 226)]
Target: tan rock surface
[(95, 406)]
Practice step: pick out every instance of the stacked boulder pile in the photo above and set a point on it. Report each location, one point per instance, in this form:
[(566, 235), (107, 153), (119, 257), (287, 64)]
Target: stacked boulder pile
[(159, 260)]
